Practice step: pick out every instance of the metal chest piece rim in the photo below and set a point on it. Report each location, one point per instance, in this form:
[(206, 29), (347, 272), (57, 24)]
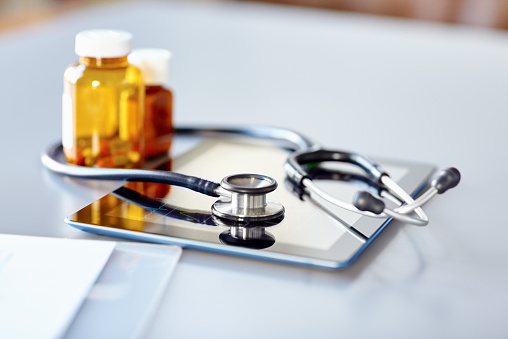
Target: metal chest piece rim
[(248, 199)]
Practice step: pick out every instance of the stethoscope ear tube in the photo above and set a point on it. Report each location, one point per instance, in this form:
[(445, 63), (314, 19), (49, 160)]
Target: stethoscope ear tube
[(363, 202)]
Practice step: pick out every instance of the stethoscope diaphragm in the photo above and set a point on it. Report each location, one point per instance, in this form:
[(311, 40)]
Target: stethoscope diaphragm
[(247, 198)]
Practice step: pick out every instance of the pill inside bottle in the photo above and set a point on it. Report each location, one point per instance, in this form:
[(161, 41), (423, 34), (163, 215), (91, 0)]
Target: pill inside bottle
[(103, 103), (155, 64)]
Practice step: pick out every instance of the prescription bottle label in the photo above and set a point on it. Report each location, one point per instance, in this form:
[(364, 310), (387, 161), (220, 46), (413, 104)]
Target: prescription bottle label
[(67, 122)]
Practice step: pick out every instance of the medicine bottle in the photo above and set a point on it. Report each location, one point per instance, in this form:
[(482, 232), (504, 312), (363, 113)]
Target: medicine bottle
[(103, 103), (154, 64)]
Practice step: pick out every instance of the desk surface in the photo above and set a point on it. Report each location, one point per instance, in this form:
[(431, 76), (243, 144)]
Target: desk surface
[(385, 87)]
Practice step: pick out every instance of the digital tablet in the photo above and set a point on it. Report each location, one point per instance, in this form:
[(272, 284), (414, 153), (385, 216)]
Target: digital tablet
[(310, 233)]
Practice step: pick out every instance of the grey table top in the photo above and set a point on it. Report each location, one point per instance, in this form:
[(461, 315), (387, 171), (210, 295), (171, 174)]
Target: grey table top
[(386, 87)]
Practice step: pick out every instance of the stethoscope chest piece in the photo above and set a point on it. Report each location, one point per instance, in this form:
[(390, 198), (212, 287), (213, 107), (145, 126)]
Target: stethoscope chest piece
[(248, 200)]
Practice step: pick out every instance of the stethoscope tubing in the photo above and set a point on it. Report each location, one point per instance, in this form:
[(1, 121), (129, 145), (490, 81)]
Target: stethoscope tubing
[(282, 137), (302, 151), (51, 158)]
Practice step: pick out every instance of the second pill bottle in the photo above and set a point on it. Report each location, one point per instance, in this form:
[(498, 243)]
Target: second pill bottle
[(154, 64), (103, 103)]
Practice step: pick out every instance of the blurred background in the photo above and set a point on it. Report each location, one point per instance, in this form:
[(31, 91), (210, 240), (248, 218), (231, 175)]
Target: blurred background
[(482, 13)]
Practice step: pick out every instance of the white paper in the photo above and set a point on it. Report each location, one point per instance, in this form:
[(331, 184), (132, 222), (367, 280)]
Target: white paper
[(44, 281), (127, 294)]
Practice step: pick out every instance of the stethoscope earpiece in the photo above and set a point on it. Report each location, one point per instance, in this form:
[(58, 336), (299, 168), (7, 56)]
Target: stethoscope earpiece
[(446, 179), (365, 201), (440, 183)]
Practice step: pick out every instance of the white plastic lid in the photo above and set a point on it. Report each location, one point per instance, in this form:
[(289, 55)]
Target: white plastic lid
[(153, 63), (103, 43)]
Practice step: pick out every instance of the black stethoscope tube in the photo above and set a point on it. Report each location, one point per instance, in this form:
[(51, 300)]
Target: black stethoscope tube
[(51, 158), (283, 137)]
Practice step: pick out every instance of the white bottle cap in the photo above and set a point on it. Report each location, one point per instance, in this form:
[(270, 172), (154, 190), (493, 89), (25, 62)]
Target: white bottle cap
[(153, 63), (103, 43)]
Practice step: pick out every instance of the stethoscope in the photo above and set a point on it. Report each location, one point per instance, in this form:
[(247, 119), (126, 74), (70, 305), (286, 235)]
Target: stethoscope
[(243, 197)]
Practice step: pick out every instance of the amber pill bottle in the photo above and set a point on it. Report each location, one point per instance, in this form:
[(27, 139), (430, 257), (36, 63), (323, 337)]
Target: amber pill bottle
[(154, 64), (103, 103)]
